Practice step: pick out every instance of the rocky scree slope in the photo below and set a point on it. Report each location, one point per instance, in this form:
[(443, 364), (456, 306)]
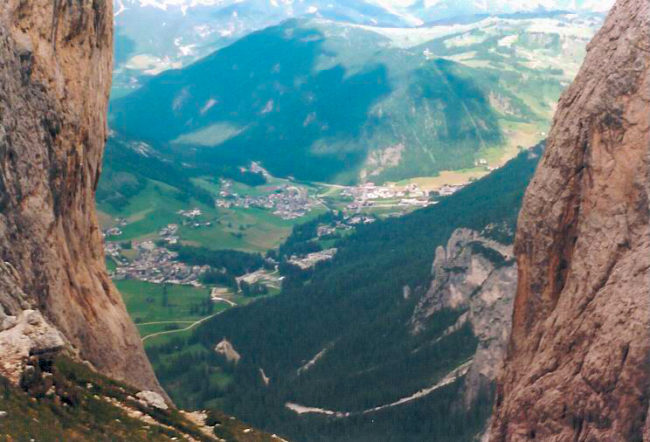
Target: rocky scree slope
[(578, 362), (55, 71)]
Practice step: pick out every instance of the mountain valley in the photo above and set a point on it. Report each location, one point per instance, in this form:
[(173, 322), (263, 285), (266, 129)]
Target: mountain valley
[(308, 220), (435, 108), (359, 341)]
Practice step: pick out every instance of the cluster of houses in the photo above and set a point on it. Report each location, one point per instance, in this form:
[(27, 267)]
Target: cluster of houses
[(359, 219), (367, 195), (191, 218), (449, 190), (114, 250), (342, 225), (312, 259), (115, 230), (112, 232), (190, 214), (169, 234), (153, 264), (286, 201), (482, 162)]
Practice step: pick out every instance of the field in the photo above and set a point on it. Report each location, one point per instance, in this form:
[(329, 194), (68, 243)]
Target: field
[(149, 303), (147, 212), (249, 230), (449, 178), (165, 312)]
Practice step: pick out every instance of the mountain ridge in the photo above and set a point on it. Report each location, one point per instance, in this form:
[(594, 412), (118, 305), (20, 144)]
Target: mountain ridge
[(154, 36)]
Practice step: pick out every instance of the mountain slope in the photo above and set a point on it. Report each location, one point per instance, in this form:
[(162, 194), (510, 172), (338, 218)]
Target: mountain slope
[(153, 36), (65, 400), (271, 97), (445, 9), (328, 102), (578, 360)]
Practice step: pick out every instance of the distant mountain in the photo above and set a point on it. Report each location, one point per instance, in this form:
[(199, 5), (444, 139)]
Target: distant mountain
[(155, 35), (432, 10), (325, 101)]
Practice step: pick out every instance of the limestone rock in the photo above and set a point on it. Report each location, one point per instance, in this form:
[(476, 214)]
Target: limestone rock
[(55, 74), (152, 399), (227, 350), (476, 274), (31, 335), (578, 362)]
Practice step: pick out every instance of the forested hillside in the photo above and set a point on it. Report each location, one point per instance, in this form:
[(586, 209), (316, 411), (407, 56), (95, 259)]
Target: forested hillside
[(350, 318)]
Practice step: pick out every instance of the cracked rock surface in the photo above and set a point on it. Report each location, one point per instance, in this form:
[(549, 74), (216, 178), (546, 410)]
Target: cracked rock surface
[(578, 361)]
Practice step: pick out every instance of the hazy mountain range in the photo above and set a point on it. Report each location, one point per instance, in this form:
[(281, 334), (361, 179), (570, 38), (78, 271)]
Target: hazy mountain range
[(155, 35), (337, 102)]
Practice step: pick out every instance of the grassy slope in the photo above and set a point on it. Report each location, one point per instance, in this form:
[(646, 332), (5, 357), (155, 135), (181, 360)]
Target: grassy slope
[(78, 409), (155, 206), (145, 301)]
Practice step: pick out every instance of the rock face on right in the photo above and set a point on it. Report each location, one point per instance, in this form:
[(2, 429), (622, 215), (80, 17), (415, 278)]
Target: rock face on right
[(578, 362)]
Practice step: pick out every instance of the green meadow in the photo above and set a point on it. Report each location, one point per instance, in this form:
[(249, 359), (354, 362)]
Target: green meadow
[(158, 204), (149, 302)]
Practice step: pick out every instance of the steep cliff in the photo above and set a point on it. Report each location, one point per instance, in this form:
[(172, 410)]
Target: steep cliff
[(55, 73), (578, 362), (477, 276)]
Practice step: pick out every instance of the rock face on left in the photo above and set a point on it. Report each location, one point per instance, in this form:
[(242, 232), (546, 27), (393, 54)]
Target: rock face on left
[(55, 73)]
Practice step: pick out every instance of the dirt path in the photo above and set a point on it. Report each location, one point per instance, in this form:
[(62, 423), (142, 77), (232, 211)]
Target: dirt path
[(189, 327), (227, 301), (164, 322), (448, 379), (180, 330)]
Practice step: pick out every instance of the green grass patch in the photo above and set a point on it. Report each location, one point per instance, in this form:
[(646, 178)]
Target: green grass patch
[(111, 266), (147, 302)]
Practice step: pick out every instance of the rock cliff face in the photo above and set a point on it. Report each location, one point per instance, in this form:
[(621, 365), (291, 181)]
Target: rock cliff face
[(477, 275), (578, 362), (55, 73)]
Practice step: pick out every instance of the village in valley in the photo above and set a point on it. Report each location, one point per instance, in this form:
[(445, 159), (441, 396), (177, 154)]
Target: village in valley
[(154, 258), (152, 263), (411, 196), (285, 201)]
